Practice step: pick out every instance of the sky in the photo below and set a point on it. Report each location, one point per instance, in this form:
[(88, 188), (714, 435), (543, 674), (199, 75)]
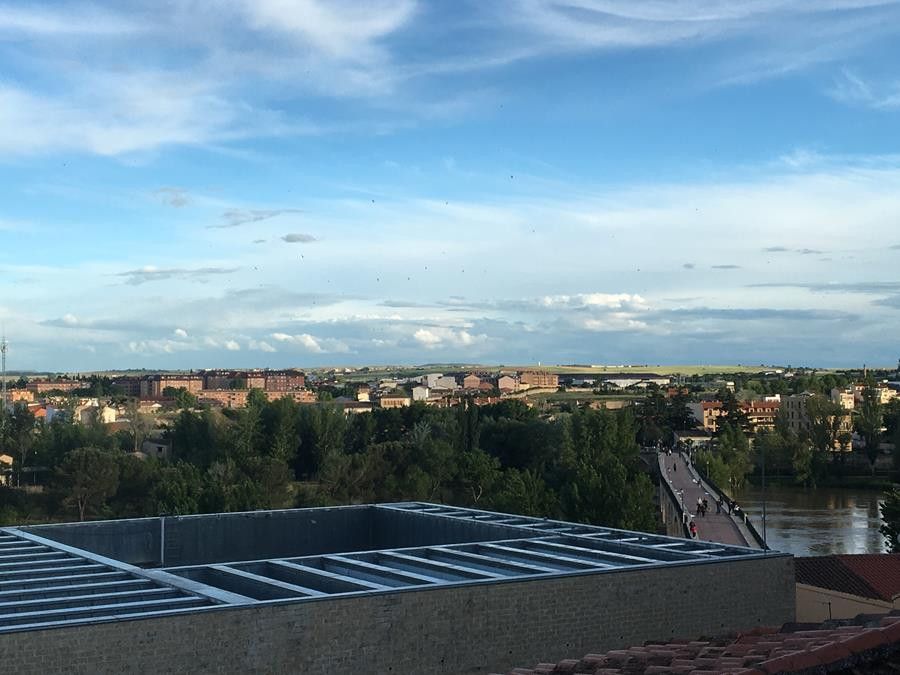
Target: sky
[(299, 183)]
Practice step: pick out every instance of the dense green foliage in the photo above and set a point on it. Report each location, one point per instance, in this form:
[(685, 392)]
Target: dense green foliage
[(582, 466)]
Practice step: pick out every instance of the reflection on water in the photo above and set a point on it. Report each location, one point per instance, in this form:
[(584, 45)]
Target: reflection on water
[(817, 521)]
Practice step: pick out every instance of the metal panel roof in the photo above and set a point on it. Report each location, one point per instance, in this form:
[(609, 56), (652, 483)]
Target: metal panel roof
[(45, 583)]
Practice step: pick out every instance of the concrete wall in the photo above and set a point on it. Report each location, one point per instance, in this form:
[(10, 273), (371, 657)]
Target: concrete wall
[(135, 541), (474, 629), (820, 604), (229, 537), (670, 510)]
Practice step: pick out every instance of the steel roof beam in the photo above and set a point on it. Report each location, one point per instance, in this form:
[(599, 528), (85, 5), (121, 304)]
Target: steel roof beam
[(96, 610), (560, 563), (329, 577), (390, 576), (410, 562), (272, 586)]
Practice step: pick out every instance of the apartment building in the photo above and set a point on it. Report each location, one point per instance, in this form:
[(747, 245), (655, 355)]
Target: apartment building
[(471, 381), (793, 408), (284, 380), (539, 378), (760, 414), (395, 401), (707, 414), (845, 397), (237, 398), (24, 395), (43, 386), (155, 385), (130, 386), (507, 383)]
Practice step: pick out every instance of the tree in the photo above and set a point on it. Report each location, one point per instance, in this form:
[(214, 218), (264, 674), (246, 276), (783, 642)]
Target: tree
[(139, 424), (826, 424), (890, 517), (478, 475), (868, 421), (525, 493), (732, 412), (183, 398), (17, 431), (178, 489), (679, 416), (733, 453), (88, 477)]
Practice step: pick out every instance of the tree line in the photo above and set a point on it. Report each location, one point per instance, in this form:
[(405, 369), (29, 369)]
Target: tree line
[(581, 465)]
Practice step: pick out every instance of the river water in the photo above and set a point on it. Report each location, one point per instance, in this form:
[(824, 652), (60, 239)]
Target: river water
[(806, 521)]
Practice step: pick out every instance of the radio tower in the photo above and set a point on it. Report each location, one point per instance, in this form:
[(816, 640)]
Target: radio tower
[(4, 345)]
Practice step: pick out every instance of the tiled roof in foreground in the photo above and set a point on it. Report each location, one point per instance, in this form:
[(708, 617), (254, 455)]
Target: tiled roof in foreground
[(874, 575), (866, 644)]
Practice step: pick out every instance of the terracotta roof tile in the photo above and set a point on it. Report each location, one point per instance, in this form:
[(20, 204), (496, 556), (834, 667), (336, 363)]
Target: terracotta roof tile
[(874, 576), (832, 646), (879, 571)]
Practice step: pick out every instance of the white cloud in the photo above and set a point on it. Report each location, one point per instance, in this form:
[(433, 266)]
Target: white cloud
[(339, 28), (852, 89), (180, 333), (228, 79), (232, 346), (84, 20), (596, 300), (262, 346), (427, 338), (109, 114), (437, 337), (311, 344)]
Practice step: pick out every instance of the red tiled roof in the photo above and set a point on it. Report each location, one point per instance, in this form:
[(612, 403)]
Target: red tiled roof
[(880, 571), (874, 576), (759, 652)]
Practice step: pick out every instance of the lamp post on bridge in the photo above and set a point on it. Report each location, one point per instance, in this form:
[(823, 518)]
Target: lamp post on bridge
[(763, 453)]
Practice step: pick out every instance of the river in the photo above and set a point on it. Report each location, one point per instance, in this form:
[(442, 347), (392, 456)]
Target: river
[(817, 521)]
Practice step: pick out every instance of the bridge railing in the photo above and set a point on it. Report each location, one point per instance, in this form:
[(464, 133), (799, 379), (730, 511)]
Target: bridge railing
[(674, 499)]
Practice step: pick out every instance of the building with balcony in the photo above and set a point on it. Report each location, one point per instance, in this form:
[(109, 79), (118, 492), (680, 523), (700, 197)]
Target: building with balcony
[(541, 379)]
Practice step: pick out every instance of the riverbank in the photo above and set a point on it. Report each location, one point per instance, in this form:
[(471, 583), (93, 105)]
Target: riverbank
[(877, 482), (816, 521)]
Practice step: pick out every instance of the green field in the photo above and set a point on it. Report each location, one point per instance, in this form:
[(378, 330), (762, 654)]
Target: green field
[(562, 396), (688, 370)]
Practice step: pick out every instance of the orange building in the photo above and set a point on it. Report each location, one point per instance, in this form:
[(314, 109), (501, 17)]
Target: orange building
[(395, 401), (539, 378)]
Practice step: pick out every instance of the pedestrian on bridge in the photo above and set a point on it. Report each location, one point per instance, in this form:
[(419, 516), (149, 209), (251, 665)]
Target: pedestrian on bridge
[(693, 529)]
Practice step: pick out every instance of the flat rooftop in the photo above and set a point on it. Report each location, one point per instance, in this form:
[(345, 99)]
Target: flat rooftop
[(66, 574)]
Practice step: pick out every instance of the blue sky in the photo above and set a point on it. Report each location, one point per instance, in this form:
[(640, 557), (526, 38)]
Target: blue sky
[(300, 183)]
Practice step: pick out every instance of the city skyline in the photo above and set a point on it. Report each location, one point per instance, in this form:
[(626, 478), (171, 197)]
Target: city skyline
[(282, 183)]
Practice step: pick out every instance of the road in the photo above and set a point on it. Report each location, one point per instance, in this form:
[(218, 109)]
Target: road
[(721, 527)]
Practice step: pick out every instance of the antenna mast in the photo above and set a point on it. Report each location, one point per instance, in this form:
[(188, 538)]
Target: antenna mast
[(4, 345)]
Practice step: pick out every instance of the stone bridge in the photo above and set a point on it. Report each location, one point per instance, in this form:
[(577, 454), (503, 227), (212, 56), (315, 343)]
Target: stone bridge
[(680, 488)]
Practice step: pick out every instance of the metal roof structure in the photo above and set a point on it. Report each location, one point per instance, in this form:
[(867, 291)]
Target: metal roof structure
[(59, 575)]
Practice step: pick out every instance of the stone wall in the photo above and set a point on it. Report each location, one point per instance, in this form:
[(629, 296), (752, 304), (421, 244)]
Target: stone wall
[(465, 629)]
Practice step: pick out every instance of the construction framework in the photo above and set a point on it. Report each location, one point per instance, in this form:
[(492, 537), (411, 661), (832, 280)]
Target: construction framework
[(63, 575)]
